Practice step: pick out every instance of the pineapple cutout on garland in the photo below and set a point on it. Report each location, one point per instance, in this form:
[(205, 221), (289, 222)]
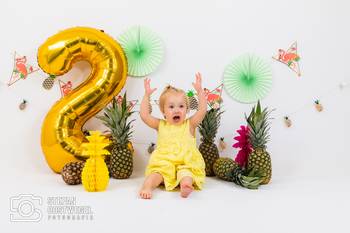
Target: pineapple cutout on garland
[(49, 82), (259, 159), (222, 144), (151, 148), (116, 118), (318, 106), (192, 100), (95, 176), (23, 105), (287, 121), (208, 129)]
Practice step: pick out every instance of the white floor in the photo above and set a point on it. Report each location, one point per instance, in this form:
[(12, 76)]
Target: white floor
[(304, 204)]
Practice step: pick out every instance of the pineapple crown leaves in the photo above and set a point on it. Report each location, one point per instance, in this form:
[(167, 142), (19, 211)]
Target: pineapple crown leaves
[(210, 124), (96, 145), (248, 179), (115, 117), (259, 126)]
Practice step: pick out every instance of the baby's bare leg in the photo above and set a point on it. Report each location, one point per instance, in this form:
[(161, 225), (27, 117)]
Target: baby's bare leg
[(152, 181), (186, 186)]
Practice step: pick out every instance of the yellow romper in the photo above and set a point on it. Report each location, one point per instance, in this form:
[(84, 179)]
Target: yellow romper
[(176, 156)]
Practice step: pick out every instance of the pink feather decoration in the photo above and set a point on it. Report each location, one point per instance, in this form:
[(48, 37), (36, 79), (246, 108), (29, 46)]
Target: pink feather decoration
[(244, 145)]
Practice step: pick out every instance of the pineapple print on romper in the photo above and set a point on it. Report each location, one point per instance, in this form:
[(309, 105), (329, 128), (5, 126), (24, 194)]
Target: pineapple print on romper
[(176, 156)]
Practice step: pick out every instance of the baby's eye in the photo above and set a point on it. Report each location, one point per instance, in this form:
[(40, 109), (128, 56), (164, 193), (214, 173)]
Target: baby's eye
[(171, 106), (182, 106)]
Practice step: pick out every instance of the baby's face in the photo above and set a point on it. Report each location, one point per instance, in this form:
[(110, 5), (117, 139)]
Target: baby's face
[(175, 108)]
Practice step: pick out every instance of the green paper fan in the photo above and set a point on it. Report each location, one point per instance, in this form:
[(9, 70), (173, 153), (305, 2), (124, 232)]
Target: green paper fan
[(248, 78), (143, 49)]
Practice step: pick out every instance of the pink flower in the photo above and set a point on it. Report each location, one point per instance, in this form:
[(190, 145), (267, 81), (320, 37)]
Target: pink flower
[(244, 145)]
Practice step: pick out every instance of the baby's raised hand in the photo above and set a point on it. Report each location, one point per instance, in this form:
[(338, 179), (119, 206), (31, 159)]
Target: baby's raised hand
[(198, 84), (147, 85)]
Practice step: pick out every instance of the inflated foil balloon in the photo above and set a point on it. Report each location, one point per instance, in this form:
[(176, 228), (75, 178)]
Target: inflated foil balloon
[(62, 134)]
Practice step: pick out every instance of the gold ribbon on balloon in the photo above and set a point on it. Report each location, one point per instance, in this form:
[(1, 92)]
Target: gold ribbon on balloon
[(62, 134)]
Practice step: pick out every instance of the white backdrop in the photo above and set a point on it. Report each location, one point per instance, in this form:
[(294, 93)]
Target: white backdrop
[(198, 36)]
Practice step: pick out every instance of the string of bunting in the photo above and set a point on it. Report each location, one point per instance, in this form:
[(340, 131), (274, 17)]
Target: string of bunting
[(22, 69), (316, 103), (286, 117)]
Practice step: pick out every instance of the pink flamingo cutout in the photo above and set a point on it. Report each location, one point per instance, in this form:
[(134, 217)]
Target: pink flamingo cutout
[(21, 66), (287, 57), (211, 97), (66, 88)]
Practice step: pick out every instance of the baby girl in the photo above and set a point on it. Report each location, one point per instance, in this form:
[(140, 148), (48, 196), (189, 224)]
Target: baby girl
[(176, 160)]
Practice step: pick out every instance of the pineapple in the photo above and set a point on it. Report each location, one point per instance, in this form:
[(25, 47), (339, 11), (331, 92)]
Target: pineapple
[(318, 106), (151, 148), (71, 172), (95, 175), (116, 119), (229, 170), (208, 129), (193, 102), (23, 105), (287, 121), (222, 144), (259, 159), (223, 167), (48, 82)]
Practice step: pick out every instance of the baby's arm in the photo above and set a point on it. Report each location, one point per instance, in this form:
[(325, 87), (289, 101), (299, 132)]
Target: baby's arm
[(197, 118), (144, 110)]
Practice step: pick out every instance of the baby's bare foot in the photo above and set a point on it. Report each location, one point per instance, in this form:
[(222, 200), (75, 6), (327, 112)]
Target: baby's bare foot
[(186, 190), (145, 193)]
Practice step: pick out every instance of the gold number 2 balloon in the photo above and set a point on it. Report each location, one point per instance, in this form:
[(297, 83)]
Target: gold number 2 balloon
[(62, 135)]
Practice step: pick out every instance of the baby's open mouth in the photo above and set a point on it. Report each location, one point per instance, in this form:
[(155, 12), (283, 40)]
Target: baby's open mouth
[(176, 118)]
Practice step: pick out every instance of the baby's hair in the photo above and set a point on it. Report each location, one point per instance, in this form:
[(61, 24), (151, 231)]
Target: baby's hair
[(168, 89)]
